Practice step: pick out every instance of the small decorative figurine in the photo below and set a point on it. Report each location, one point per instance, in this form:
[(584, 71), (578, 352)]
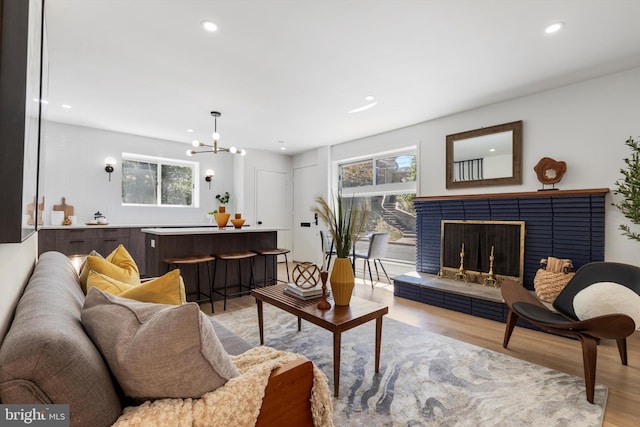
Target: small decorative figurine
[(323, 304), (550, 171)]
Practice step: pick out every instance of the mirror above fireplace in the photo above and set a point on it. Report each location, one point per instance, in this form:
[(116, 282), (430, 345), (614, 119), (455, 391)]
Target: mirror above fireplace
[(485, 156)]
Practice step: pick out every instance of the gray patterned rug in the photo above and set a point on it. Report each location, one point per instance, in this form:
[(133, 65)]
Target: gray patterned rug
[(427, 379)]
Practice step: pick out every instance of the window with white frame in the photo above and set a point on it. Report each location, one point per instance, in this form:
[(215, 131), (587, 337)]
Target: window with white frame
[(157, 181), (379, 174), (387, 184)]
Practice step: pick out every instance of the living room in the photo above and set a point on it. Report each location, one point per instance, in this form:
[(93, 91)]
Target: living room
[(582, 118)]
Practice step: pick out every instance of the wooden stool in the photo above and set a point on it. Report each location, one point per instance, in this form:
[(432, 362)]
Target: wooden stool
[(231, 256), (266, 253), (196, 260)]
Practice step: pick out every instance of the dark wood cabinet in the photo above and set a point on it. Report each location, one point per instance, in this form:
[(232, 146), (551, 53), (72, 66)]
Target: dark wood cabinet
[(79, 241)]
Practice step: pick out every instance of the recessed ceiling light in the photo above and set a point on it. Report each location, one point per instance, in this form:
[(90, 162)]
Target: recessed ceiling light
[(283, 148), (492, 149), (553, 28), (363, 108), (369, 98), (190, 130), (209, 26), (67, 106)]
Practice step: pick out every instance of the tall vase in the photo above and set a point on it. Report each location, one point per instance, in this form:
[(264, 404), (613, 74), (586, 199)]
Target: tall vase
[(342, 281)]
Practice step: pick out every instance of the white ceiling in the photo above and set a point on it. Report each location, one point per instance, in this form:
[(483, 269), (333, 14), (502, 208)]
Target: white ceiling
[(290, 70)]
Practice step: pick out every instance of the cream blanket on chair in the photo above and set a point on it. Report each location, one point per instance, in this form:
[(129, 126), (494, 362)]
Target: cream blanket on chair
[(237, 403)]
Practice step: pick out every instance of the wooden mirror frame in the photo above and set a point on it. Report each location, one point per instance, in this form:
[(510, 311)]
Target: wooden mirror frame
[(516, 147)]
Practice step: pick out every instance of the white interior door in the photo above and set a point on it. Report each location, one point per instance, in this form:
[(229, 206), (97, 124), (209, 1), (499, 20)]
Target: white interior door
[(306, 240), (271, 203)]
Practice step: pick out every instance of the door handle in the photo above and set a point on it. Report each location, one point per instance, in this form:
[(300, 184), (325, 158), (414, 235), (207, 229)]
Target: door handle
[(315, 217)]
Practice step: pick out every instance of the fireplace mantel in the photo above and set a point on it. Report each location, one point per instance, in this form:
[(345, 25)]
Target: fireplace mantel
[(559, 223), (541, 193)]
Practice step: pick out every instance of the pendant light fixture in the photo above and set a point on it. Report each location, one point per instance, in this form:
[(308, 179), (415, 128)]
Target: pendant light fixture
[(216, 137)]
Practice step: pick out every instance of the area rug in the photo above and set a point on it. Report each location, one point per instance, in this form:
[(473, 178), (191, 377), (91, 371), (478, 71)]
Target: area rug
[(426, 379)]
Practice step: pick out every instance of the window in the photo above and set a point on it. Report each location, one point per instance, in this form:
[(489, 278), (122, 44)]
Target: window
[(395, 215), (387, 184), (155, 181), (357, 174), (380, 174)]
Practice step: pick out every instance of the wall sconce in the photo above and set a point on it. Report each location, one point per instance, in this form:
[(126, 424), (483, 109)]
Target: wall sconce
[(209, 176), (109, 163)]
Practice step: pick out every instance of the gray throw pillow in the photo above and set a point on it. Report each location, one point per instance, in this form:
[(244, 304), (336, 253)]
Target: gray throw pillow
[(157, 350)]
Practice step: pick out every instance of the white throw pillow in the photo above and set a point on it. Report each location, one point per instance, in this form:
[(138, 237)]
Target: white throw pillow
[(157, 350), (604, 298)]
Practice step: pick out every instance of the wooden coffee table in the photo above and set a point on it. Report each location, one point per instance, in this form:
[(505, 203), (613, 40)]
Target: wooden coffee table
[(336, 319)]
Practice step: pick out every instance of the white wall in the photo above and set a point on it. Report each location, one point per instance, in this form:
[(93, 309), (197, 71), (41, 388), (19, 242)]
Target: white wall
[(16, 263), (74, 169), (583, 124)]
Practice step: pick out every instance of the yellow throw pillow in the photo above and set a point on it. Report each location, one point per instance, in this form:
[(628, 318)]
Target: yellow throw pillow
[(122, 258), (84, 270), (167, 289), (118, 265)]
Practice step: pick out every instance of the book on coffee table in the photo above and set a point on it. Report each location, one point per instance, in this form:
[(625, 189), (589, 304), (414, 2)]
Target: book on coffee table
[(309, 293)]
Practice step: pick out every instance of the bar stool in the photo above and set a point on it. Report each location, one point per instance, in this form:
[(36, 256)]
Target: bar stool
[(274, 252), (196, 260), (233, 256)]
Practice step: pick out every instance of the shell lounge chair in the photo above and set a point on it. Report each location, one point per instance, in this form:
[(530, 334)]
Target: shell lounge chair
[(598, 294)]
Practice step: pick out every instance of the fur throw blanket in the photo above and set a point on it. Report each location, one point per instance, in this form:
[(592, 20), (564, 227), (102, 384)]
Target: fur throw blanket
[(237, 403)]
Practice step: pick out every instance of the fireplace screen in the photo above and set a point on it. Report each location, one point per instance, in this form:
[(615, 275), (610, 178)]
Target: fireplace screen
[(474, 250)]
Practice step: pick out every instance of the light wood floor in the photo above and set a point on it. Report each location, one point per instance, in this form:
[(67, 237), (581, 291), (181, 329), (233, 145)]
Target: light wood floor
[(623, 403)]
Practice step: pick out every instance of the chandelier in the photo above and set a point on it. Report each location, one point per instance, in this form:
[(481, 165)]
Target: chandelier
[(215, 136)]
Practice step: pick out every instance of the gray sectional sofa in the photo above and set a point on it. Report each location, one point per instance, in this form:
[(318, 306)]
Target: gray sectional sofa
[(47, 358)]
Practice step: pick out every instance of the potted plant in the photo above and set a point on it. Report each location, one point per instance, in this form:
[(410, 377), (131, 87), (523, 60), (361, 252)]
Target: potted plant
[(344, 224), (223, 199), (628, 188), (210, 215)]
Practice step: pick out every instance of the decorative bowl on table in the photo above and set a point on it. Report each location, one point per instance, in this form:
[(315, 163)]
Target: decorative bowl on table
[(237, 222)]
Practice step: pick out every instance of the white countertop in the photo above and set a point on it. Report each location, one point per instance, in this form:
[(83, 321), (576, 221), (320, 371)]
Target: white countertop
[(204, 230), (147, 225)]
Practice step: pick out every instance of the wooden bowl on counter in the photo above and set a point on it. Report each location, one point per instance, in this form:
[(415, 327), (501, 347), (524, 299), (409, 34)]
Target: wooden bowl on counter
[(237, 222)]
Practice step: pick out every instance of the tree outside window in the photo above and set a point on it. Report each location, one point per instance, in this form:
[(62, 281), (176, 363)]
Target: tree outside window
[(357, 174)]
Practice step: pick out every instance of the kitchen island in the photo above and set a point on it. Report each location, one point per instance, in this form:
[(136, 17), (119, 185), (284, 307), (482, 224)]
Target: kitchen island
[(161, 243)]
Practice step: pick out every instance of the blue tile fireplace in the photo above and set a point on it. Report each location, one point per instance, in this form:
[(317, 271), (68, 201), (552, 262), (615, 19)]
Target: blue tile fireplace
[(560, 223)]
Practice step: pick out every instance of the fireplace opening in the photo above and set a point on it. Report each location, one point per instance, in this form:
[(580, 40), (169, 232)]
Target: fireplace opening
[(475, 251)]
